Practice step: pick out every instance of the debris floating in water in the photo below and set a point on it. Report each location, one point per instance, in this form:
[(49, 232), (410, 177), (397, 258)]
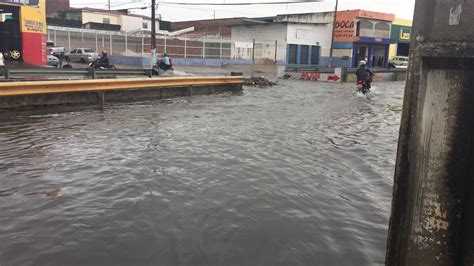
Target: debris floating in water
[(260, 82)]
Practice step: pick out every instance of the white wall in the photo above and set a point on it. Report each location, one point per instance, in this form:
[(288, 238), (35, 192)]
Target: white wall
[(99, 18), (311, 34), (265, 36), (130, 23)]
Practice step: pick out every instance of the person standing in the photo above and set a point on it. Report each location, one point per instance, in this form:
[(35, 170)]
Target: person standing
[(2, 65)]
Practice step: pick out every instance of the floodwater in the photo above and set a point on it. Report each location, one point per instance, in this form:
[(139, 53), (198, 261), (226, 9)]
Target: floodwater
[(297, 174)]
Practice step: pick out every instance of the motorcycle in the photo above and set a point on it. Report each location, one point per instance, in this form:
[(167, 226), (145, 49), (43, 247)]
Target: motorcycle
[(362, 87), (160, 69), (94, 64)]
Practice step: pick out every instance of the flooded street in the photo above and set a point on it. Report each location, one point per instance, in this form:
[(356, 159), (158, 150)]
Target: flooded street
[(297, 174)]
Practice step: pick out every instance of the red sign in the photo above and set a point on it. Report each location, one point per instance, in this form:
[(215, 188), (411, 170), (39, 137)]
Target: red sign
[(334, 78)]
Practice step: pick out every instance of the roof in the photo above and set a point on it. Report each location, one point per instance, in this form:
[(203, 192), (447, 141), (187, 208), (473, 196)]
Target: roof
[(209, 20)]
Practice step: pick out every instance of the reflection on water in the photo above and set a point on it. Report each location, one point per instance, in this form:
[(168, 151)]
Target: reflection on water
[(299, 174)]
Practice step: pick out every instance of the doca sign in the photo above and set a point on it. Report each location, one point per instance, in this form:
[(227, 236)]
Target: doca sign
[(344, 30)]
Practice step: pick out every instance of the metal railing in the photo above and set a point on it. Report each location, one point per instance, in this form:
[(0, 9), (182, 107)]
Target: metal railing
[(84, 73), (183, 46)]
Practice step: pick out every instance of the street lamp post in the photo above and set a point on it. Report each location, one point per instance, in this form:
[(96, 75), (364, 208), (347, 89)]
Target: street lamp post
[(333, 33), (153, 32)]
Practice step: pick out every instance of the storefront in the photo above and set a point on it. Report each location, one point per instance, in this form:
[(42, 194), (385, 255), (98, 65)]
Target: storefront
[(362, 35), (373, 50), (23, 31), (401, 34)]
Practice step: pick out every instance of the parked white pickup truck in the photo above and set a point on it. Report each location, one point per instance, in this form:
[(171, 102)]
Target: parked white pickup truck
[(54, 50)]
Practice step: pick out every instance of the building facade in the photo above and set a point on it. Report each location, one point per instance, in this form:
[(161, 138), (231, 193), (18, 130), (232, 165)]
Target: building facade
[(305, 39), (297, 39), (401, 34), (210, 28), (362, 35), (98, 19), (54, 6)]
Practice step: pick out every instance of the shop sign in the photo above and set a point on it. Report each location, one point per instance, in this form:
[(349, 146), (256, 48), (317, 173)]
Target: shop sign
[(405, 34), (21, 2), (344, 30)]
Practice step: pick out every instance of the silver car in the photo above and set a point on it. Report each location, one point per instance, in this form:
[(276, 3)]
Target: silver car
[(83, 55), (53, 61)]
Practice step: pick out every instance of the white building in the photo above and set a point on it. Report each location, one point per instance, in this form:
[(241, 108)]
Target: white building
[(302, 39), (99, 19)]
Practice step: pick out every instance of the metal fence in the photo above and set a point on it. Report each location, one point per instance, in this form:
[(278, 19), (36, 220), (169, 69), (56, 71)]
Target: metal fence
[(118, 43)]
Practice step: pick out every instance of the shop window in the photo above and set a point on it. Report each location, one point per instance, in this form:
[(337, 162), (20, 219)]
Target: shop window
[(304, 55), (145, 25), (315, 55)]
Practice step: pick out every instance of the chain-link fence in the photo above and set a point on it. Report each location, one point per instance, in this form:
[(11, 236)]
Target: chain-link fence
[(117, 43)]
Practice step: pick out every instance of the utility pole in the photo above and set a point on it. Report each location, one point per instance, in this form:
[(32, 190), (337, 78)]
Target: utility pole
[(333, 33), (153, 32), (109, 5)]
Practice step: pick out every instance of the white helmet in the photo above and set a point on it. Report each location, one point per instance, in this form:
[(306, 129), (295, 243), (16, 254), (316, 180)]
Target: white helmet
[(362, 63)]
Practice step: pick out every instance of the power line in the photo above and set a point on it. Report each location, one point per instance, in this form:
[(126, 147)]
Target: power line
[(244, 3)]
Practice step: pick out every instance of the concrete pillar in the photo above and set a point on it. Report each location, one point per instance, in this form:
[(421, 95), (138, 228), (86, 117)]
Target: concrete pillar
[(96, 42), (126, 43), (432, 220), (111, 44), (185, 46), (69, 40)]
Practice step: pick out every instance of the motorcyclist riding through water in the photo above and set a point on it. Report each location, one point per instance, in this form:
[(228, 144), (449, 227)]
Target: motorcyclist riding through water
[(364, 77)]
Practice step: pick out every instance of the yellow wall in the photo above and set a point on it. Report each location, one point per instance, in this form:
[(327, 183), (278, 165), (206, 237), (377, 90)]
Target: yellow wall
[(99, 18), (402, 22)]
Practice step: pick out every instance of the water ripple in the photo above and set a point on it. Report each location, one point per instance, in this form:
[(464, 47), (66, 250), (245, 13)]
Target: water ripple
[(299, 174)]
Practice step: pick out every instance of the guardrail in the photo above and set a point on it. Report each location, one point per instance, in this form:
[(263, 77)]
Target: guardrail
[(66, 86), (83, 72)]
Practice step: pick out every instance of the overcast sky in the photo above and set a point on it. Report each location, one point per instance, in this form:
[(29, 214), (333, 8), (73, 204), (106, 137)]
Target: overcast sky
[(401, 8)]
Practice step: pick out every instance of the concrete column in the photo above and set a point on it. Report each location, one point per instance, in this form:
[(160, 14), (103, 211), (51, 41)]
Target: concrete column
[(370, 55), (69, 40), (204, 49), (432, 220), (111, 44), (96, 42), (165, 44), (185, 46), (126, 42), (276, 52), (220, 50)]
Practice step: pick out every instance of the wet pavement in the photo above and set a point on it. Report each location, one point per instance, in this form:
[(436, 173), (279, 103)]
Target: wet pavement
[(297, 174)]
